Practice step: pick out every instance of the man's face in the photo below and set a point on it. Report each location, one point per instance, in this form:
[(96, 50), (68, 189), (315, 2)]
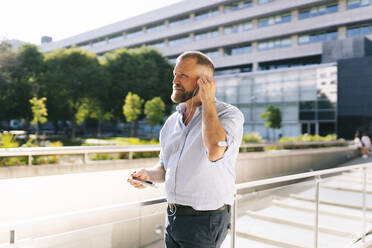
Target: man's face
[(186, 74)]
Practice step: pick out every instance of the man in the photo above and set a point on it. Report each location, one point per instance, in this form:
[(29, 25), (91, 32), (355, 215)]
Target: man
[(199, 146), (366, 145)]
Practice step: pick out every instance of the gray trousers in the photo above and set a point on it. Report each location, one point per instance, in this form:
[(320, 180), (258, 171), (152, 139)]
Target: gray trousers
[(204, 230)]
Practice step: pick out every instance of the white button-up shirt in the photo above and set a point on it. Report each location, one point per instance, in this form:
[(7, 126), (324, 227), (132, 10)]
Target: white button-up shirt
[(191, 178)]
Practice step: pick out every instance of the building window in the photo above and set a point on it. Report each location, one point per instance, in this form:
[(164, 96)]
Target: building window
[(238, 5), (307, 105), (240, 27), (179, 41), (265, 1), (317, 37), (206, 35), (318, 11), (307, 115), (155, 28), (134, 33), (236, 50), (212, 53), (179, 21), (99, 43), (359, 30), (232, 70), (117, 38), (172, 60), (272, 44), (206, 14), (326, 115), (159, 44), (353, 4), (272, 20), (85, 46), (267, 66)]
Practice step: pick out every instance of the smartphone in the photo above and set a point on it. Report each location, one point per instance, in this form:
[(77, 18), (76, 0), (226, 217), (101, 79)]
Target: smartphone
[(144, 182)]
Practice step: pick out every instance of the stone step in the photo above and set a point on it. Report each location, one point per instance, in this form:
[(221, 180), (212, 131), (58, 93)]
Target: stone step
[(284, 235), (345, 186), (337, 211), (343, 179), (327, 224), (358, 175), (335, 198)]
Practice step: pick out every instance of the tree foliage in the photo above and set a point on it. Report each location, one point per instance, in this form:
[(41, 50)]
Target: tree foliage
[(91, 108), (154, 111), (132, 109), (72, 75), (272, 117), (8, 63), (39, 110), (19, 77), (144, 72), (78, 85)]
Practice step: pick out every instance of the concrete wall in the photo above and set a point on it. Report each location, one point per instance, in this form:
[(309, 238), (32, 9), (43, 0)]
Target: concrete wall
[(250, 166), (354, 102), (255, 166)]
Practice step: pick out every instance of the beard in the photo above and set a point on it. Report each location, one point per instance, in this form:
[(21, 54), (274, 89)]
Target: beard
[(182, 96)]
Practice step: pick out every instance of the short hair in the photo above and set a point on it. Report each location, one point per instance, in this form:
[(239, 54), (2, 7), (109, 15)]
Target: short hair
[(201, 58)]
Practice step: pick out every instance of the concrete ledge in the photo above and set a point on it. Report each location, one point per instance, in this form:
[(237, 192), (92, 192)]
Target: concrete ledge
[(250, 166), (254, 166), (57, 169)]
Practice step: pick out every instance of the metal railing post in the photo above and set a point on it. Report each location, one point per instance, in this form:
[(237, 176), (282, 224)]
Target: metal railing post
[(29, 159), (12, 237), (234, 211), (364, 204), (85, 158), (316, 224)]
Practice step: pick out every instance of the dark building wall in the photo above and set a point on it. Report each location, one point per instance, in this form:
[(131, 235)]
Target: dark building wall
[(354, 107), (335, 50)]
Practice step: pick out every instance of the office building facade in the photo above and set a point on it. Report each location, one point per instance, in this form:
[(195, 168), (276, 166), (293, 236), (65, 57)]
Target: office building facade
[(250, 36)]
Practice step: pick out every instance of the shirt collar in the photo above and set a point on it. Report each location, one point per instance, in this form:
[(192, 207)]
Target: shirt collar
[(181, 108)]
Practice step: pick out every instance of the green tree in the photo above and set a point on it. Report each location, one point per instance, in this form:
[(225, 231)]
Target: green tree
[(19, 76), (71, 76), (90, 108), (154, 111), (39, 112), (8, 63), (132, 110), (141, 71), (272, 117)]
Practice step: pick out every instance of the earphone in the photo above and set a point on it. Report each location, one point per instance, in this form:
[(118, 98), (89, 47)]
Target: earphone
[(192, 101)]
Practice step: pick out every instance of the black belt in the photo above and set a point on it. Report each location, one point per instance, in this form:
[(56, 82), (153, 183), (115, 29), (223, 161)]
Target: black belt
[(176, 209)]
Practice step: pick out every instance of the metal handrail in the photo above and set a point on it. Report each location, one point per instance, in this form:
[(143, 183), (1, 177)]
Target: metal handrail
[(314, 174), (130, 149), (87, 211), (317, 176)]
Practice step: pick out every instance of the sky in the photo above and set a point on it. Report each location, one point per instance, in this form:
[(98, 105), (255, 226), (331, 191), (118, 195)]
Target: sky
[(28, 20)]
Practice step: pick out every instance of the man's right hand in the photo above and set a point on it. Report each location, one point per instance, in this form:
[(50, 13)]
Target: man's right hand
[(142, 174)]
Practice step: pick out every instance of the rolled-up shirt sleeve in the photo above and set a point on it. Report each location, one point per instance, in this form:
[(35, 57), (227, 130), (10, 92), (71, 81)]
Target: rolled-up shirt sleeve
[(232, 122), (161, 159), (161, 154)]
